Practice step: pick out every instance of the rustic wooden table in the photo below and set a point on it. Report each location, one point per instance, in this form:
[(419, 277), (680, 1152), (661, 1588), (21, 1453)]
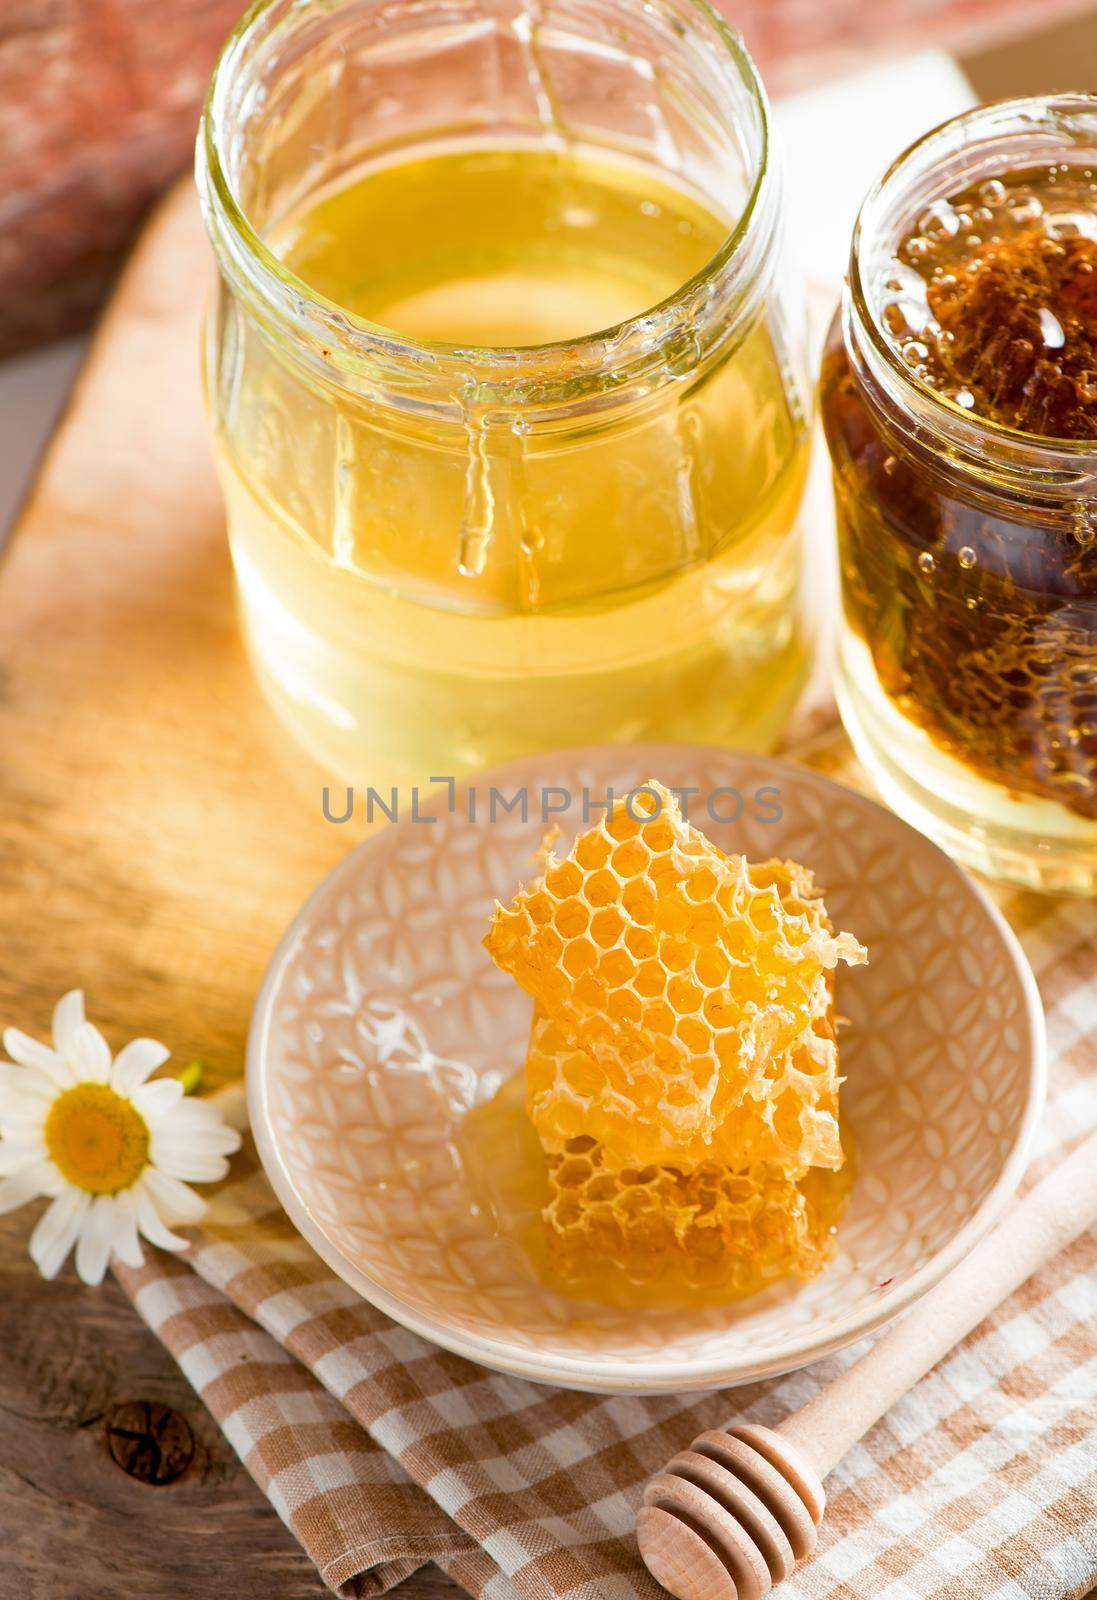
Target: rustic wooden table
[(78, 1524), (132, 733)]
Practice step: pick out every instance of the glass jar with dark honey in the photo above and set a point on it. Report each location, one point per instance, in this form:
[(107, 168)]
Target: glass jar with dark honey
[(959, 397)]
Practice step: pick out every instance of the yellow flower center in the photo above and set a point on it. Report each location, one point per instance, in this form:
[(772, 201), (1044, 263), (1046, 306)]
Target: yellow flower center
[(96, 1138)]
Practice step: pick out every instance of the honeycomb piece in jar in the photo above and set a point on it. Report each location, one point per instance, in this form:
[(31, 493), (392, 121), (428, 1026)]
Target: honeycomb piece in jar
[(698, 984)]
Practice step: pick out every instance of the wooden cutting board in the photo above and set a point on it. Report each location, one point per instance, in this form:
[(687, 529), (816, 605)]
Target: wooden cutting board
[(155, 838), (156, 833)]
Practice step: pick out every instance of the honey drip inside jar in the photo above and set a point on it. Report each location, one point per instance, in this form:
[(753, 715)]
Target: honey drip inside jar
[(980, 617)]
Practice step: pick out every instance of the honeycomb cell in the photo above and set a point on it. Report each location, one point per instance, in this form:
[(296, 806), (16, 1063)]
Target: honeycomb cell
[(684, 996), (641, 942), (611, 1231), (617, 971), (571, 1092), (572, 919), (755, 1076), (592, 850)]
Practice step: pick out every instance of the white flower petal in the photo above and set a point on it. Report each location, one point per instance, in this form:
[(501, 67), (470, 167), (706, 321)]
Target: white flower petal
[(172, 1140), (20, 1152), (127, 1246), (56, 1231), (194, 1165), (156, 1100), (25, 1084), (198, 1111), (29, 1053), (89, 1054), (200, 1120), (183, 1131), (24, 1119), (27, 1184), (93, 1247), (180, 1135), (25, 1133), (173, 1200), (68, 1015), (136, 1062), (149, 1223), (18, 1107), (13, 1158)]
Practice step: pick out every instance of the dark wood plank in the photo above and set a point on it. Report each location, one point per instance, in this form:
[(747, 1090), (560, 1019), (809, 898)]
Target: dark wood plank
[(1047, 61), (73, 1524)]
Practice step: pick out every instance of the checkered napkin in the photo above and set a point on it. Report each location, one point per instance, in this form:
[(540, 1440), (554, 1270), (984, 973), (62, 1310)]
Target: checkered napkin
[(382, 1452)]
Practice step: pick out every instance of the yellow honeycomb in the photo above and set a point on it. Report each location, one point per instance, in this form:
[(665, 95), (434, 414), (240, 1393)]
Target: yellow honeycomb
[(568, 1093), (612, 1231), (685, 997)]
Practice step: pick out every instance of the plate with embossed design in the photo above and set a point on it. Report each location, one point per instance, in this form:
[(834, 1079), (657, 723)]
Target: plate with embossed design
[(382, 1022)]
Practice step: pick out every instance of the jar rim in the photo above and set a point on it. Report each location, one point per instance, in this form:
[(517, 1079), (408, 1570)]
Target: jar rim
[(623, 350), (976, 127)]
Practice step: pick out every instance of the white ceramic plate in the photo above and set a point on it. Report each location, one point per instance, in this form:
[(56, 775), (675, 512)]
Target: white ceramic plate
[(382, 1020)]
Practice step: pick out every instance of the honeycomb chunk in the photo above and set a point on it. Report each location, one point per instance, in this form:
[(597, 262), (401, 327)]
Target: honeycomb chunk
[(685, 997), (570, 1093), (619, 1233)]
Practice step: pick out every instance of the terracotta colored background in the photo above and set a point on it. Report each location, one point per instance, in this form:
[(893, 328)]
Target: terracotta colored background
[(98, 104), (99, 99)]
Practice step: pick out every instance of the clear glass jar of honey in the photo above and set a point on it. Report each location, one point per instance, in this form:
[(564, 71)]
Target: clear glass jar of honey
[(959, 397), (510, 411)]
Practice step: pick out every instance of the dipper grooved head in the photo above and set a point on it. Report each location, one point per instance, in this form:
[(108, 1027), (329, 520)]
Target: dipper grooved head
[(730, 1517)]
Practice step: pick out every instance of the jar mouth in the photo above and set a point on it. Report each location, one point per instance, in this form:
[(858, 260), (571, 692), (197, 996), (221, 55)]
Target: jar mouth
[(983, 142), (718, 298)]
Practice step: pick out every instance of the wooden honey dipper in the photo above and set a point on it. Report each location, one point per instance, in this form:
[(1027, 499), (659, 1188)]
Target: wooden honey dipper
[(729, 1517)]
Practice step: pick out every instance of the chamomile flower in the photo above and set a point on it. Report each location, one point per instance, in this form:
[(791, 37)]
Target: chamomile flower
[(114, 1153)]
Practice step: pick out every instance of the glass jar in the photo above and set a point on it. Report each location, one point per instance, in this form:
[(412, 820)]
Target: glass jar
[(451, 554), (967, 673)]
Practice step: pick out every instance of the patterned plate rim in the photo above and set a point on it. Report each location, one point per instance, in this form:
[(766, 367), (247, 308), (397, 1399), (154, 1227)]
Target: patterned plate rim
[(601, 1374)]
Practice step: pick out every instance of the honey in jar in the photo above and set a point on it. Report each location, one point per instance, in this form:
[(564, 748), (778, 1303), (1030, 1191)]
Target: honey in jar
[(959, 395), (509, 408)]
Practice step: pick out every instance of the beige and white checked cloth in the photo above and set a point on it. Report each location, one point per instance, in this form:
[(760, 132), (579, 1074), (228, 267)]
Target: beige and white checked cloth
[(382, 1452)]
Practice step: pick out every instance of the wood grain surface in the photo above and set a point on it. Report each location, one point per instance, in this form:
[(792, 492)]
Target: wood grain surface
[(73, 1525), (156, 835)]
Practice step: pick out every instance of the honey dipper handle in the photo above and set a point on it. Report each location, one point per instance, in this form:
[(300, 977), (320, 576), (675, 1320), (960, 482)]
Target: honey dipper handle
[(1055, 1212)]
